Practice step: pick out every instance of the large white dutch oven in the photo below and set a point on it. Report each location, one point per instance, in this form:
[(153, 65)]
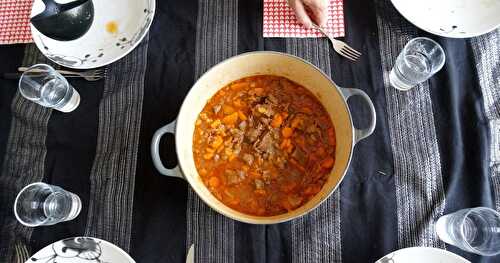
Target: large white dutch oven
[(296, 69)]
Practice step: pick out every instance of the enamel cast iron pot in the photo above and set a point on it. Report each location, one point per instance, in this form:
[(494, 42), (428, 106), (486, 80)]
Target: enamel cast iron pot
[(333, 98)]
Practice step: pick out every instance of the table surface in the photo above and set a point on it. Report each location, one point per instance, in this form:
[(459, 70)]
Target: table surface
[(434, 150)]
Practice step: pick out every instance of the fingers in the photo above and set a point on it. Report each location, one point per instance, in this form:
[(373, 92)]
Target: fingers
[(300, 13), (319, 10)]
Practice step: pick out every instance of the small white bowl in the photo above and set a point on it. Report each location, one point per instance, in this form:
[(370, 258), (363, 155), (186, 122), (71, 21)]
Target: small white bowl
[(118, 27)]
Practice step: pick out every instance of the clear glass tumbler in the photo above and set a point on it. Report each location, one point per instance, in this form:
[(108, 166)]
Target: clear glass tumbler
[(41, 204), (44, 85), (420, 59), (476, 230)]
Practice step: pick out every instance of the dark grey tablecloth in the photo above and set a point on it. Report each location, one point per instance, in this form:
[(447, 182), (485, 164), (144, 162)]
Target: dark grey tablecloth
[(436, 148)]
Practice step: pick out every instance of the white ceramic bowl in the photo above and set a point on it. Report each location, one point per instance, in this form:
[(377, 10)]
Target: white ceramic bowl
[(99, 46), (452, 18)]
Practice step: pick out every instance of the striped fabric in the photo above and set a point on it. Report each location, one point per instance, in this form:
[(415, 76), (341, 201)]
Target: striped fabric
[(113, 173), (216, 39), (486, 49), (24, 161), (420, 195), (316, 236)]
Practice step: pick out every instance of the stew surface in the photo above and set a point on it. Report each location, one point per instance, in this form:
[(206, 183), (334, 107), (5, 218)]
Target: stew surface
[(264, 145)]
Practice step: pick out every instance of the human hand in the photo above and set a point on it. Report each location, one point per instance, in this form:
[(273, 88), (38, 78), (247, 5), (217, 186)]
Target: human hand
[(310, 11)]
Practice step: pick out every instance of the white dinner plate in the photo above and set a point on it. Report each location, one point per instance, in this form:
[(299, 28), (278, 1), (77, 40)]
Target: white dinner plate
[(118, 27), (81, 250), (422, 254), (452, 18)]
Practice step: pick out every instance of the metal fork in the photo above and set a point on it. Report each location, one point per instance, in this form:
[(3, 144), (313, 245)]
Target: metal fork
[(90, 75), (22, 254), (341, 47)]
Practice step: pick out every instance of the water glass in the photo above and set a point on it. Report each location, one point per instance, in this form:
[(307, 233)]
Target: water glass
[(476, 230), (420, 59), (40, 204), (44, 85)]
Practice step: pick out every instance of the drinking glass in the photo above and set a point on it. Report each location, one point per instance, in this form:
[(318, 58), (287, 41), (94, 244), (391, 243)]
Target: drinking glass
[(475, 230), (44, 85), (41, 204), (420, 59)]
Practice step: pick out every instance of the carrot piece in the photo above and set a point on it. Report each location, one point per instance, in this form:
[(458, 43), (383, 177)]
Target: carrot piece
[(254, 175), (307, 110), (240, 85), (321, 150), (288, 187), (296, 122), (214, 181), (230, 119), (208, 156), (215, 124), (217, 142), (242, 116), (285, 204), (260, 192), (210, 150), (277, 121), (287, 132), (238, 103), (259, 91), (297, 165), (227, 109), (327, 163)]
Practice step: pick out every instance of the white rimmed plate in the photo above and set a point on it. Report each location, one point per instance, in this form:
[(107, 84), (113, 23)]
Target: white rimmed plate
[(422, 254), (81, 250), (452, 18), (118, 27)]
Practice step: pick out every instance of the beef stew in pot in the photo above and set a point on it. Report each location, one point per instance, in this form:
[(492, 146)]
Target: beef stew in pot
[(264, 145)]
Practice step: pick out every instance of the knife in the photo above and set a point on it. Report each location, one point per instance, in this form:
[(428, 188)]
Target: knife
[(190, 255)]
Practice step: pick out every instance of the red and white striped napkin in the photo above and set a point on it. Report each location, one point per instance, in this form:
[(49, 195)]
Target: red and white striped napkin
[(15, 21), (280, 21)]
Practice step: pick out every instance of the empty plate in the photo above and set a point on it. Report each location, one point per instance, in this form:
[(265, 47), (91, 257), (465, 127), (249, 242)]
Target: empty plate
[(422, 254), (452, 18)]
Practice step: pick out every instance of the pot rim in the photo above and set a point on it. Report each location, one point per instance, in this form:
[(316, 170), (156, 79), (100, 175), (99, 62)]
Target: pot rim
[(266, 219)]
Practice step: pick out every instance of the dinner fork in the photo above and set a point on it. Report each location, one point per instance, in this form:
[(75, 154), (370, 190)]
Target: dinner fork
[(90, 75), (341, 47), (22, 254)]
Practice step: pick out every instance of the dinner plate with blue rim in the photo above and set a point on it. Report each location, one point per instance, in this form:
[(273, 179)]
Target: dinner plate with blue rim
[(118, 27), (422, 254), (81, 250)]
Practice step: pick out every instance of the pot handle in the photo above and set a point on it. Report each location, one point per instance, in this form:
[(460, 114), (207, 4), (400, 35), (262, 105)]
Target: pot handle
[(360, 134), (155, 151)]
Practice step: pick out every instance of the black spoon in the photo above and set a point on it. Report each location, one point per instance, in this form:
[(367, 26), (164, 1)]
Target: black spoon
[(65, 22)]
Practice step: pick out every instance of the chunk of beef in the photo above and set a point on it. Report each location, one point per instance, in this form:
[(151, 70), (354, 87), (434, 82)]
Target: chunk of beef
[(259, 184), (248, 158), (243, 125), (266, 144), (217, 108), (271, 99), (253, 134), (234, 177), (300, 156)]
